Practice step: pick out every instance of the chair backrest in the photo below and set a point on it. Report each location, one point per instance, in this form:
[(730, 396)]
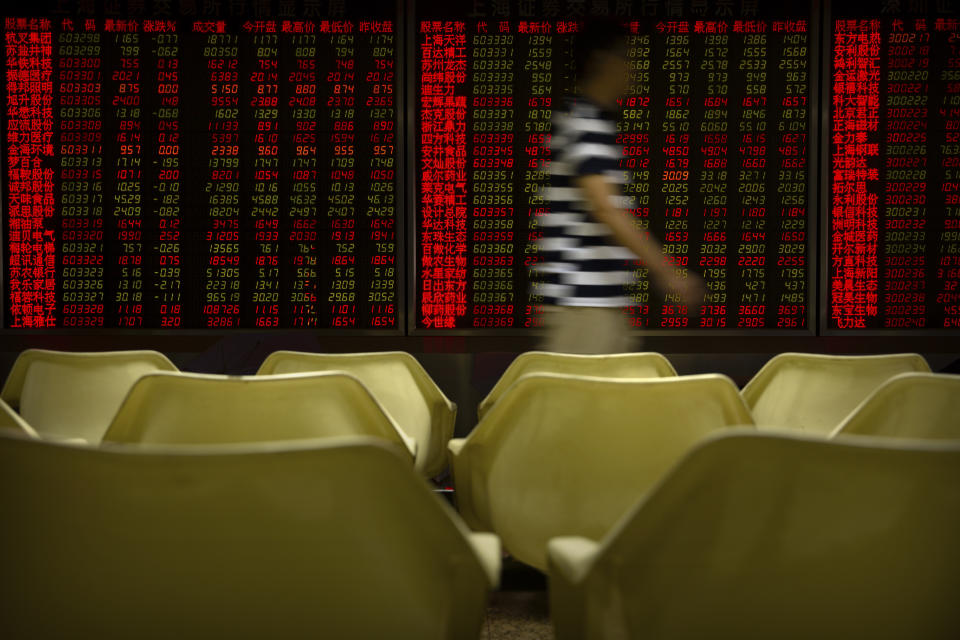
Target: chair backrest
[(11, 421), (74, 395), (764, 536), (193, 408), (618, 365), (814, 392), (338, 538), (910, 405), (401, 385), (568, 455)]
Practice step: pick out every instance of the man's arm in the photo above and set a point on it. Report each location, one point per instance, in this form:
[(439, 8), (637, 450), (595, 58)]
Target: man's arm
[(598, 192)]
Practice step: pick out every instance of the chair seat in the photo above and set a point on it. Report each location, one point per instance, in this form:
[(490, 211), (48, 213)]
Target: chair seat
[(399, 383), (562, 454), (814, 392), (335, 538), (193, 408), (910, 405), (74, 395), (619, 365), (755, 535)]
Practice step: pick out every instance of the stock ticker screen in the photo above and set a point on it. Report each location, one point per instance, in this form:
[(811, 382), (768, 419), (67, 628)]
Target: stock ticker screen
[(894, 202), (201, 168), (717, 148), (243, 164)]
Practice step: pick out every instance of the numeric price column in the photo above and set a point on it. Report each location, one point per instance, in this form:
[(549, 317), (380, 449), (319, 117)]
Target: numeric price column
[(633, 135), (167, 283), (947, 274), (752, 177), (541, 65), (714, 146), (127, 145), (675, 174), (905, 142), (380, 219), (342, 174), (491, 180), (303, 208), (265, 196), (221, 282), (792, 177), (80, 151)]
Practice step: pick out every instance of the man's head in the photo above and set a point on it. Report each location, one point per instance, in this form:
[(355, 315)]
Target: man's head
[(600, 53)]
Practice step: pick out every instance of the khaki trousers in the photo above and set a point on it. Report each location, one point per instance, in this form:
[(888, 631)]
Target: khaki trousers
[(588, 330)]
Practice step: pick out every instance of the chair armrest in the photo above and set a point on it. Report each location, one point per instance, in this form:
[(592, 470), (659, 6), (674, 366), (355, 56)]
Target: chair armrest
[(409, 442), (443, 424), (456, 445), (571, 557), (487, 548), (483, 407), (16, 424), (82, 442), (569, 560)]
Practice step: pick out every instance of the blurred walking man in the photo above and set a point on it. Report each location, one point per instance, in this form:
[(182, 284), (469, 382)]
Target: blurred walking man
[(589, 238)]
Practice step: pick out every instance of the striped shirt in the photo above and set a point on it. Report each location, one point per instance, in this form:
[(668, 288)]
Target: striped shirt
[(581, 264)]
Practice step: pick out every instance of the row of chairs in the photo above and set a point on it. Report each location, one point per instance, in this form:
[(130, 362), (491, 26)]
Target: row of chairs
[(559, 450), (812, 393), (775, 535), (556, 452), (336, 538), (556, 456), (609, 438), (749, 535), (560, 454), (140, 396), (800, 391)]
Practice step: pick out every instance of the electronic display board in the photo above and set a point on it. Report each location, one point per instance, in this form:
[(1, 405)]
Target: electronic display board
[(206, 165), (893, 246), (716, 130)]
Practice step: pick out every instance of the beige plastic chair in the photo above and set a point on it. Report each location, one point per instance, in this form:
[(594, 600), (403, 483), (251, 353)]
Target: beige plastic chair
[(337, 538), (910, 405), (74, 395), (618, 365), (775, 536), (568, 455), (814, 393), (11, 422), (399, 383), (193, 408)]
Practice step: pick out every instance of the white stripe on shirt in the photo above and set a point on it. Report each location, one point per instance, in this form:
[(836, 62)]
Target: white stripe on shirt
[(592, 229), (611, 301), (577, 254), (576, 152), (557, 244), (555, 290), (597, 277), (561, 219)]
